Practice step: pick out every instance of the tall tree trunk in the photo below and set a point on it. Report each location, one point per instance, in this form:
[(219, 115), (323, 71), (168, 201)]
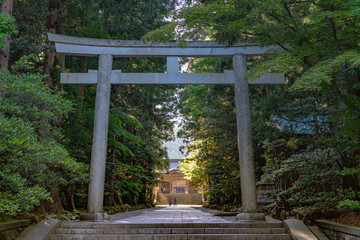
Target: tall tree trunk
[(6, 7), (49, 60), (83, 68), (69, 198), (55, 206), (50, 51), (60, 59)]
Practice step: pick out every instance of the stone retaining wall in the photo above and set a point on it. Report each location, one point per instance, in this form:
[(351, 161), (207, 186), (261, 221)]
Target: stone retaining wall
[(10, 230), (338, 231)]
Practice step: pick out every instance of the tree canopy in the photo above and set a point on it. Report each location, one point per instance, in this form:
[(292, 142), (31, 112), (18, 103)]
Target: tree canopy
[(303, 132), (47, 128)]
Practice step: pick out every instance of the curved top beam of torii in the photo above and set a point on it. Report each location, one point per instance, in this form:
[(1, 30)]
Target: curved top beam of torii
[(172, 50), (126, 48)]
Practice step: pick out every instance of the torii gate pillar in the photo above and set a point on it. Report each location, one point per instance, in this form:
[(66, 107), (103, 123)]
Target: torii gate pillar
[(245, 146), (99, 144)]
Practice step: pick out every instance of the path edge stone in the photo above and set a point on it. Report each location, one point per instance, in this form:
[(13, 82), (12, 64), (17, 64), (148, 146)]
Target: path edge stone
[(298, 230), (319, 234), (14, 224), (41, 231), (338, 227)]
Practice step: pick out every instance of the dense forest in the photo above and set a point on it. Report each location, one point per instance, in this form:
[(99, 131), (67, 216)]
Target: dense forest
[(46, 128), (306, 133)]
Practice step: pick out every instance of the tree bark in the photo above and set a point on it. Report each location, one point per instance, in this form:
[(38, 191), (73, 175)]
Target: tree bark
[(69, 198), (83, 68), (6, 7), (49, 60), (50, 51), (60, 59), (56, 206)]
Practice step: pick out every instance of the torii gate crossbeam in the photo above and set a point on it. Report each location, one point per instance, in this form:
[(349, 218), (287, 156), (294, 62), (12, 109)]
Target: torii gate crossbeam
[(105, 76)]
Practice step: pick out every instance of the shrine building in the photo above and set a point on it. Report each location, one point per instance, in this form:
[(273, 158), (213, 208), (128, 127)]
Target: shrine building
[(174, 185)]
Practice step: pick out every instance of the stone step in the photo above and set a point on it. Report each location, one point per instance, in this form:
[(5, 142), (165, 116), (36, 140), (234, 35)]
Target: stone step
[(173, 231), (94, 225), (181, 198), (172, 237)]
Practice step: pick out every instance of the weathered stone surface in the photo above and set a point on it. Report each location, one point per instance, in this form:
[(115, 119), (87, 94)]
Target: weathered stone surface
[(298, 230), (91, 216), (14, 224), (167, 78), (107, 225), (100, 134), (246, 153), (282, 214), (320, 235), (309, 213), (173, 231), (10, 230), (338, 231), (133, 43), (10, 234), (189, 199), (172, 64), (41, 231), (250, 217), (304, 211), (94, 47), (174, 237)]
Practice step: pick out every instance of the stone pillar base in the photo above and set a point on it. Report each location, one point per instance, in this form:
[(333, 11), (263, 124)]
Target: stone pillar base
[(246, 217), (96, 217)]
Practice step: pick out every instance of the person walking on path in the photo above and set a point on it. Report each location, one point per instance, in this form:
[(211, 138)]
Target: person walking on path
[(169, 202), (175, 202)]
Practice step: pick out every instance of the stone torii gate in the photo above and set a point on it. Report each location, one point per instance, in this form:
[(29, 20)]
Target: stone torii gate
[(105, 76)]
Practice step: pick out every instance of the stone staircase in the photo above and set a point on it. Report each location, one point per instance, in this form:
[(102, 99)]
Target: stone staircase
[(181, 198), (170, 231)]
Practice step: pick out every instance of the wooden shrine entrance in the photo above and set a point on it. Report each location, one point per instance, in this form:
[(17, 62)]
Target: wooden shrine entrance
[(105, 76)]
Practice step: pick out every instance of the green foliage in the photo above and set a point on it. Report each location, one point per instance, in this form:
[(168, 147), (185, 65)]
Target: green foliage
[(129, 180), (30, 17), (313, 174), (117, 131), (24, 65), (316, 172), (161, 34), (350, 171), (28, 98), (349, 204), (210, 128), (302, 132), (324, 71), (32, 161), (139, 119), (22, 199), (7, 26), (195, 172), (139, 115)]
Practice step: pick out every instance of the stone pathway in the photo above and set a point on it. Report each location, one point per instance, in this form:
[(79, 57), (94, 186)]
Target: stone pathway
[(165, 214)]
